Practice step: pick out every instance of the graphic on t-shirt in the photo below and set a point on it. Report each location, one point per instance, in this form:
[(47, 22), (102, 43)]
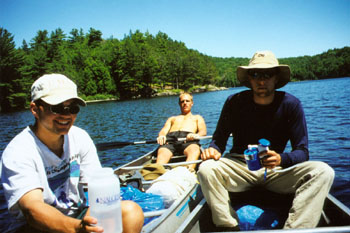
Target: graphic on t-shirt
[(74, 169), (58, 180), (63, 197)]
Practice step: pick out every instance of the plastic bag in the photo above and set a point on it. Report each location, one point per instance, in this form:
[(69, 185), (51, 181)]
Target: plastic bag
[(256, 218), (173, 184), (147, 201)]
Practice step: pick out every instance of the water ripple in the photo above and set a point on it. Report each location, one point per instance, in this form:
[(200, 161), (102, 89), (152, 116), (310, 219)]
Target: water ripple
[(327, 113)]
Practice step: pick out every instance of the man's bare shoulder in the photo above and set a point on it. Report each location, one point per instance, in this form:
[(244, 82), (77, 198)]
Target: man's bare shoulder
[(174, 118), (198, 116)]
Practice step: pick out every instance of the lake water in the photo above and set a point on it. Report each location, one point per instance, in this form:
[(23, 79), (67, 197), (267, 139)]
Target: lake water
[(326, 105)]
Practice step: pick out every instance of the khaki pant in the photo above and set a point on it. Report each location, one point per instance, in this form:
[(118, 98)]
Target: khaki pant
[(310, 181)]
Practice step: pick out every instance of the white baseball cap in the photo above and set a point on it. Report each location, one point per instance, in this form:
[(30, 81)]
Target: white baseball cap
[(55, 89)]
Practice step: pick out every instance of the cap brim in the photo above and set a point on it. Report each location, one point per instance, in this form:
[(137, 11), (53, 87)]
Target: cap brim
[(54, 100), (284, 75)]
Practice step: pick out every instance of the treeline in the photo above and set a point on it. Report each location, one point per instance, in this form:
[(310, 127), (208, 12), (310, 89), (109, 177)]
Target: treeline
[(334, 63), (137, 66)]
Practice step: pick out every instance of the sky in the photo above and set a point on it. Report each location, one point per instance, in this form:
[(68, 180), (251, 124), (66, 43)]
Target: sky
[(218, 28)]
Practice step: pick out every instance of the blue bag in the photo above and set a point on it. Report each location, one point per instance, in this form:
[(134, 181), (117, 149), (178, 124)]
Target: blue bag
[(256, 218), (147, 201)]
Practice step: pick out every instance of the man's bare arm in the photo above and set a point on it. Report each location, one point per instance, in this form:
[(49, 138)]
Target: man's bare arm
[(45, 217), (161, 139), (202, 128)]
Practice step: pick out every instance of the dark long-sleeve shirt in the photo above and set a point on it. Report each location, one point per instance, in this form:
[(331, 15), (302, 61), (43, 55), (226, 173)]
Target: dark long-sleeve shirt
[(278, 122)]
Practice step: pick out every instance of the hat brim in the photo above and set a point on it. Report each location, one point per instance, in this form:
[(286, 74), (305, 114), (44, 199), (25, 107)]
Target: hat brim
[(152, 171), (56, 99), (283, 76)]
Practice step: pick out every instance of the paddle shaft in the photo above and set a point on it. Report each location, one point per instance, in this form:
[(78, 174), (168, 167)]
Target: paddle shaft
[(165, 165), (112, 145)]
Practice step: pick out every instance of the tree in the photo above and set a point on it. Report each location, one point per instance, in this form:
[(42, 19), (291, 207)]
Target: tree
[(12, 95), (136, 66), (94, 37)]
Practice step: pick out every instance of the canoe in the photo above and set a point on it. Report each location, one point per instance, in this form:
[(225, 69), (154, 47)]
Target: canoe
[(172, 217), (190, 212), (335, 216)]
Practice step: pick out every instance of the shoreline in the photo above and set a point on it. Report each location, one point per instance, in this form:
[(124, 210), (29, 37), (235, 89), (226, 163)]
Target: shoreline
[(172, 92)]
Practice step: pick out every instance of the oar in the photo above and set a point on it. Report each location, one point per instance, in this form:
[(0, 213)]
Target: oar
[(165, 165), (112, 145)]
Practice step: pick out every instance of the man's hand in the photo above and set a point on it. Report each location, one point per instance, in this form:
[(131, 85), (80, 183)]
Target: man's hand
[(192, 136), (210, 153), (161, 140), (270, 159), (87, 225), (42, 216)]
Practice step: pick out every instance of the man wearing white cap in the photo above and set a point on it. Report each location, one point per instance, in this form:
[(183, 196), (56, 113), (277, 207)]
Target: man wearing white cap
[(263, 112), (45, 166)]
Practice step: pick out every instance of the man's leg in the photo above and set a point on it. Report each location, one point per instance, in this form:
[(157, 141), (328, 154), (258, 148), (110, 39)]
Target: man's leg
[(216, 179), (132, 217), (311, 182), (163, 155), (192, 152)]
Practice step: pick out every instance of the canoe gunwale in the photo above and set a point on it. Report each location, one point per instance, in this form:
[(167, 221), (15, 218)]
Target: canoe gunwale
[(171, 212), (192, 223)]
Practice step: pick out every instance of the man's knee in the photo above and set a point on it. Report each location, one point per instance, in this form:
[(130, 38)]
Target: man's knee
[(131, 208), (164, 152), (132, 216), (321, 171), (207, 168), (192, 149), (325, 171)]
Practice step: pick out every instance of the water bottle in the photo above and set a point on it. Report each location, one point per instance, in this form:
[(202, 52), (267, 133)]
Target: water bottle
[(104, 200), (263, 145), (252, 159)]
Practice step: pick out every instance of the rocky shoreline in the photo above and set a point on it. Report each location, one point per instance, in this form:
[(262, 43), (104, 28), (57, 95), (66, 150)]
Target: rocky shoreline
[(197, 90), (169, 92)]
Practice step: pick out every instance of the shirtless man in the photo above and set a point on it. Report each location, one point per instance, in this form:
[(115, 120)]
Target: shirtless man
[(187, 126)]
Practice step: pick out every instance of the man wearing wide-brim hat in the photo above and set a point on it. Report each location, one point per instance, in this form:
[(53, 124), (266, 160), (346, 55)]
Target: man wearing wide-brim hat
[(251, 115), (261, 61)]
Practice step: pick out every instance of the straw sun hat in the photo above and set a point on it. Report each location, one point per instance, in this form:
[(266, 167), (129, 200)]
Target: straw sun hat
[(264, 60), (152, 171)]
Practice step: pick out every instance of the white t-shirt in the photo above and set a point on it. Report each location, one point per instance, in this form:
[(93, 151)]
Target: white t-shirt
[(28, 164)]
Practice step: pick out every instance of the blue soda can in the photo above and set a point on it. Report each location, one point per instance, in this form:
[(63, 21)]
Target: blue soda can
[(252, 159)]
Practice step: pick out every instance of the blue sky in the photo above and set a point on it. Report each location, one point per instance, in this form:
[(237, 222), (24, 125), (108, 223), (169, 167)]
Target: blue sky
[(221, 28)]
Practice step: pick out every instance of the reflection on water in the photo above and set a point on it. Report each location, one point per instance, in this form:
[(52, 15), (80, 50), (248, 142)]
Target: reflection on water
[(326, 104)]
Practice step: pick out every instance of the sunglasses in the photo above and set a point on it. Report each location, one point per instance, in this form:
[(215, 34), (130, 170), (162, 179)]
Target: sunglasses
[(185, 101), (61, 109), (260, 74)]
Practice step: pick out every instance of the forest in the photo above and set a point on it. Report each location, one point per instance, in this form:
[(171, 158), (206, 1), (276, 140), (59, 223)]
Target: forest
[(139, 65)]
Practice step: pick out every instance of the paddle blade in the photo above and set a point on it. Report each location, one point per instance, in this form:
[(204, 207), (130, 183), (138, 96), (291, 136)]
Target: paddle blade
[(111, 145)]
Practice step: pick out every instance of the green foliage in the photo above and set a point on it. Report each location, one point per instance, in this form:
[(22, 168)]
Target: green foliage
[(12, 94), (98, 97), (137, 66)]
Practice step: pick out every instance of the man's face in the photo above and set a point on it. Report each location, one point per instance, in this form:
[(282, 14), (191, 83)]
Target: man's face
[(56, 119), (263, 81), (185, 103)]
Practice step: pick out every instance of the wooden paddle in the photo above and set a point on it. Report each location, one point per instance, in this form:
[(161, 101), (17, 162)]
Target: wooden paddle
[(113, 145)]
